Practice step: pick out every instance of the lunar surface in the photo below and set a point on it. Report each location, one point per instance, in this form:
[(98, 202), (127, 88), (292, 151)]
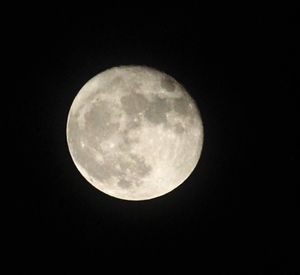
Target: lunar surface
[(134, 132)]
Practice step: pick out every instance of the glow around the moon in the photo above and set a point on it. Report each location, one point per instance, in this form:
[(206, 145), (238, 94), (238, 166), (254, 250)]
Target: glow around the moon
[(134, 132)]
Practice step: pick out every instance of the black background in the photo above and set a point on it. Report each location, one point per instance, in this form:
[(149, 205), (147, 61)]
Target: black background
[(236, 212)]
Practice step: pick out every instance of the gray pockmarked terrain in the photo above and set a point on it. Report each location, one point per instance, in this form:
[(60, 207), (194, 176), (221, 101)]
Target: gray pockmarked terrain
[(134, 132)]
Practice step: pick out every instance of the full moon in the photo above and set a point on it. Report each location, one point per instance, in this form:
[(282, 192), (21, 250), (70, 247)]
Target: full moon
[(134, 132)]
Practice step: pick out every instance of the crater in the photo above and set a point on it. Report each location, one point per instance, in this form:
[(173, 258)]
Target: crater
[(134, 123), (99, 171), (157, 111), (178, 128), (128, 139), (168, 84), (125, 184), (181, 106), (134, 103), (120, 163), (116, 81), (140, 167), (98, 121)]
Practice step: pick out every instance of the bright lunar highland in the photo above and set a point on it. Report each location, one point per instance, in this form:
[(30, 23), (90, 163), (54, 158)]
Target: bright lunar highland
[(134, 132)]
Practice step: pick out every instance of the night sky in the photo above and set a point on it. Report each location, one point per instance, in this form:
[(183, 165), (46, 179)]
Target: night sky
[(237, 210)]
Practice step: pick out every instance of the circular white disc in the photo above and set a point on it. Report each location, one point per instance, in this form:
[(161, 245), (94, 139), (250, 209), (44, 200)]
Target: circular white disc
[(134, 132)]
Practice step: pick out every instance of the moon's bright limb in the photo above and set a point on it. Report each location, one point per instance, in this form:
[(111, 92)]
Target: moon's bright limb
[(134, 132)]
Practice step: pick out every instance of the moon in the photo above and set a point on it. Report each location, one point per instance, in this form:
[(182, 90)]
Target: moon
[(134, 132)]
